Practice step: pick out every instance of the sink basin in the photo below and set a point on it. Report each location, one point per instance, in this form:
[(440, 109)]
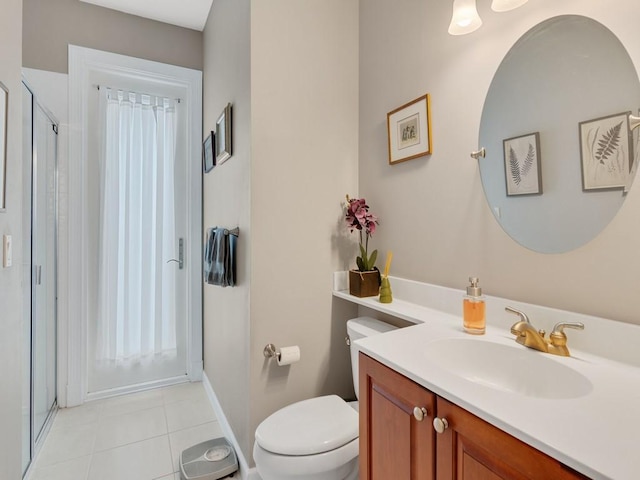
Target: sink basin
[(508, 368)]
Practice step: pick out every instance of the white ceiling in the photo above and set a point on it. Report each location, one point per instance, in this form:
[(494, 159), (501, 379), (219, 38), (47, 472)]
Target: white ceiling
[(184, 13)]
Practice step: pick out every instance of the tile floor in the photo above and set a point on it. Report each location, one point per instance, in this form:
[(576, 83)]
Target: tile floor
[(131, 437)]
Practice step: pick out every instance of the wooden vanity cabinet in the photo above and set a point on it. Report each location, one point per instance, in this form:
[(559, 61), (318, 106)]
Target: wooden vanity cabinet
[(470, 448), (394, 445)]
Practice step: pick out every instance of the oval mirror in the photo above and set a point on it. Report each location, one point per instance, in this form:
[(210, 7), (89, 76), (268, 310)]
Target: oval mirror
[(560, 154)]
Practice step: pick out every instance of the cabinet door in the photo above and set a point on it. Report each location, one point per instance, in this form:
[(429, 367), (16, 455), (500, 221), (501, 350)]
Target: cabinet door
[(472, 449), (394, 443)]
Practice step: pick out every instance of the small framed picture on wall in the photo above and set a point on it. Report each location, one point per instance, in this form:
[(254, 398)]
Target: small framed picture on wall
[(4, 102), (606, 152), (208, 162), (522, 166), (223, 136), (409, 130)]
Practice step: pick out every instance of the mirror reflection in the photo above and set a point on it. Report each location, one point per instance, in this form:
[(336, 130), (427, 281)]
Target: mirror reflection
[(566, 77)]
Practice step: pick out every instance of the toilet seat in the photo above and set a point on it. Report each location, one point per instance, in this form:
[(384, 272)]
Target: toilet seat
[(339, 463), (309, 427)]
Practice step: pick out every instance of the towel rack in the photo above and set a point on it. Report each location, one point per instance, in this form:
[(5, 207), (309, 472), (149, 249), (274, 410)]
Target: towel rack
[(235, 231)]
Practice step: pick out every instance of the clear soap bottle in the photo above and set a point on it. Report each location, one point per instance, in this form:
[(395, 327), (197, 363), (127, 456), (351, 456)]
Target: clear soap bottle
[(474, 309)]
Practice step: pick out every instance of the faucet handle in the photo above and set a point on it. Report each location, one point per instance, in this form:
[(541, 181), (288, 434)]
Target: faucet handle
[(522, 315), (558, 337), (559, 327)]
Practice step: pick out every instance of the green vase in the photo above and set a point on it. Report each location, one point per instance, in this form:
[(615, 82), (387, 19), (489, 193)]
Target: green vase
[(385, 291)]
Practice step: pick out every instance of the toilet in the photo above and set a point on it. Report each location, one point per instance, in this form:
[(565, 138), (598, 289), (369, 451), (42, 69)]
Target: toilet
[(315, 439)]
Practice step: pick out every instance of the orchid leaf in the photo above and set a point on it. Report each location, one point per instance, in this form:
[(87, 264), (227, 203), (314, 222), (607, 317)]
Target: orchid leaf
[(372, 260), (360, 264)]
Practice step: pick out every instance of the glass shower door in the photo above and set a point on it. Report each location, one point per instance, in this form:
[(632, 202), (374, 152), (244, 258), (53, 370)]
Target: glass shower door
[(39, 301), (43, 277)]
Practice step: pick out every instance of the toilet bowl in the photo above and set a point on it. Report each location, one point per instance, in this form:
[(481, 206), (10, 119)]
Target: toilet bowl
[(315, 439)]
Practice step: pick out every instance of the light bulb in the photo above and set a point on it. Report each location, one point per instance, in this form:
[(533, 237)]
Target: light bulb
[(465, 18), (506, 5)]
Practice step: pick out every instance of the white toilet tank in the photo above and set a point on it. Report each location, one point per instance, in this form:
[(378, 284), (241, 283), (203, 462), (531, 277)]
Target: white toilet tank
[(362, 327)]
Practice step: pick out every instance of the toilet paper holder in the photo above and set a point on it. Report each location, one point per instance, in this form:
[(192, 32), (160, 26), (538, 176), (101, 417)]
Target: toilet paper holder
[(284, 356), (270, 351)]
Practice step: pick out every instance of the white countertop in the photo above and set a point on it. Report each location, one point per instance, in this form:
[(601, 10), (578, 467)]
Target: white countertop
[(597, 434)]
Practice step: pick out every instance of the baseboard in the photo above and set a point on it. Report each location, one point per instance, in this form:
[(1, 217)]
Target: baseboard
[(246, 473), (195, 373), (74, 396), (138, 387), (253, 475)]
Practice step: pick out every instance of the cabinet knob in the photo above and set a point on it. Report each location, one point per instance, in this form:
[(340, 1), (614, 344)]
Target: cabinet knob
[(440, 424), (419, 413)]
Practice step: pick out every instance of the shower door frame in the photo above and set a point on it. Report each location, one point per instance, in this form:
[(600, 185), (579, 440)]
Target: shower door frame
[(36, 168)]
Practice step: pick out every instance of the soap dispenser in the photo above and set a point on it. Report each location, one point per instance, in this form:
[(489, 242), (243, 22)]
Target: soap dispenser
[(474, 309)]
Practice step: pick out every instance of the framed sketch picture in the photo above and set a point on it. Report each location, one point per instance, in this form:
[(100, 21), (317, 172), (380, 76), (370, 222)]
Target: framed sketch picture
[(223, 136), (409, 130), (606, 152), (522, 165), (208, 162), (4, 104)]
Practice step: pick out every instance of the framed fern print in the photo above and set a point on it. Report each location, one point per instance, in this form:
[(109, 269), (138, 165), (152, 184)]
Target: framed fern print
[(606, 152), (522, 165)]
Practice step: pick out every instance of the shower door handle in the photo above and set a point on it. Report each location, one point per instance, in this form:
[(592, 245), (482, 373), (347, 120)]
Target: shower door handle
[(180, 259), (37, 274)]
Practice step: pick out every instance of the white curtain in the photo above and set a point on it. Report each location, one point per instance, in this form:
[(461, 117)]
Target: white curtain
[(136, 291)]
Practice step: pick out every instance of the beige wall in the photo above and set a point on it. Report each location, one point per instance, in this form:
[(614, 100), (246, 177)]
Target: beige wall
[(432, 210), (226, 203), (304, 92), (51, 25), (11, 224), (294, 162)]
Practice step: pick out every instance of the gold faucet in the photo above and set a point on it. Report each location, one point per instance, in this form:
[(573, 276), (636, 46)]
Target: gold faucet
[(528, 336)]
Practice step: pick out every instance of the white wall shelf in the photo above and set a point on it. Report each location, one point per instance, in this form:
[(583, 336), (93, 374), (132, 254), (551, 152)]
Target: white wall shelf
[(405, 310)]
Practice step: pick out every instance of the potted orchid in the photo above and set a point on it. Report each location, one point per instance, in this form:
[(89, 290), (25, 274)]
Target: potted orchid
[(365, 281)]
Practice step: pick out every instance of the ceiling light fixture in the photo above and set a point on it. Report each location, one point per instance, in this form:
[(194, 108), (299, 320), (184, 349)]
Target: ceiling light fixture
[(465, 18)]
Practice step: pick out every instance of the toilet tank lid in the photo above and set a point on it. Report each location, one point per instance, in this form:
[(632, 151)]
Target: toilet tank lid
[(309, 427)]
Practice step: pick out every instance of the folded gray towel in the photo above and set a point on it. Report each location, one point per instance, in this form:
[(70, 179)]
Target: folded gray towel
[(220, 257)]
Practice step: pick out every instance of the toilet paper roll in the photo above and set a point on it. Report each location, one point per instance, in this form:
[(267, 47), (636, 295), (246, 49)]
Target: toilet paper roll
[(289, 355)]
